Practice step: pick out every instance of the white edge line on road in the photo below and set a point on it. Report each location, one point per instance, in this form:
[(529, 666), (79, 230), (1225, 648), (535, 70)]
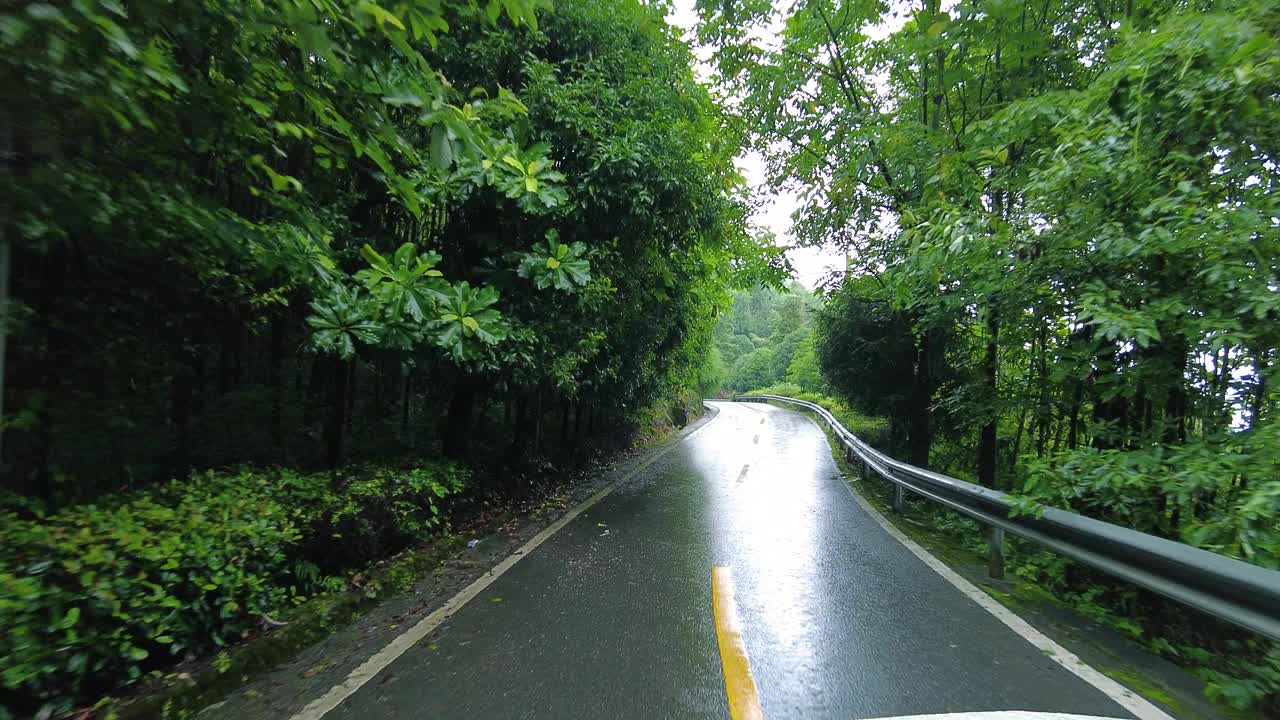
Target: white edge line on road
[(996, 715), (1123, 696), (317, 708)]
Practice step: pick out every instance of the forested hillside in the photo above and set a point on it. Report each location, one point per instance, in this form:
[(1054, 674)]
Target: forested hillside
[(1061, 225), (767, 338), (308, 235)]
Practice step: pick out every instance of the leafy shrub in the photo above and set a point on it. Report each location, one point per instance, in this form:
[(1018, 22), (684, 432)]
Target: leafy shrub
[(91, 593), (1218, 493), (94, 596), (375, 510)]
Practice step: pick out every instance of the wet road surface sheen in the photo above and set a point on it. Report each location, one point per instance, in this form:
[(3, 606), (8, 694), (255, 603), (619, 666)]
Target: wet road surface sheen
[(612, 616)]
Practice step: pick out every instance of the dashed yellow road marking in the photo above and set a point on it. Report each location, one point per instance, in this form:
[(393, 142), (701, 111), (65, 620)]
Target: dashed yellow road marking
[(739, 687)]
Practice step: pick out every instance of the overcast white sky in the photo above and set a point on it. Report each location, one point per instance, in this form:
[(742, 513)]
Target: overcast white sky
[(810, 263)]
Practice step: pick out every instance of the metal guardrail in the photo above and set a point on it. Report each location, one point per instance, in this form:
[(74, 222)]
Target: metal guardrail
[(1229, 589)]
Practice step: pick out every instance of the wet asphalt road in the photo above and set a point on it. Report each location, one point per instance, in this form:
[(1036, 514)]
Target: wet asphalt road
[(612, 616)]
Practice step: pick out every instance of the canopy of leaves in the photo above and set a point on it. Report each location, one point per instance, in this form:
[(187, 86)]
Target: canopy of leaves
[(1061, 225)]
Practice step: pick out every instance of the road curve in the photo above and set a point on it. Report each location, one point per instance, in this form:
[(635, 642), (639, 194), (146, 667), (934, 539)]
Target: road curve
[(613, 617)]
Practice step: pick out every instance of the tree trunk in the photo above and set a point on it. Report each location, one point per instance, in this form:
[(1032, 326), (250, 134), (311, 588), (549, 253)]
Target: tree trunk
[(577, 422), (1026, 404), (565, 409), (1258, 402), (537, 423), (6, 142), (520, 435), (918, 430), (987, 436), (940, 67), (377, 369), (277, 384), (180, 416), (405, 437), (228, 352), (1043, 410), (1220, 416), (479, 415), (457, 431), (352, 370), (54, 277), (1175, 408), (1073, 431), (320, 367), (4, 296), (335, 423)]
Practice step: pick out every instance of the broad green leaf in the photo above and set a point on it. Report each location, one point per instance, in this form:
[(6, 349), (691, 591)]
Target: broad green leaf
[(380, 14), (441, 147)]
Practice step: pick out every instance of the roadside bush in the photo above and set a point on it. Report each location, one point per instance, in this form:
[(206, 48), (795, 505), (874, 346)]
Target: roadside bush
[(373, 512), (1218, 493), (95, 596), (873, 430)]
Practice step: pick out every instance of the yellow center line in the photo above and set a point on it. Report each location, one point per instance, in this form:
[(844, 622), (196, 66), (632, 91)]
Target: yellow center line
[(744, 703)]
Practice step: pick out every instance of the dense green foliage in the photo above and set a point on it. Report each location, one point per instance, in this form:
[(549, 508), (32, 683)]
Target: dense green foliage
[(315, 233), (303, 232), (767, 338), (1061, 225), (96, 595)]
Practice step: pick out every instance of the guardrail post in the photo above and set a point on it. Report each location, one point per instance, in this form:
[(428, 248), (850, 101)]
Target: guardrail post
[(995, 563), (899, 498)]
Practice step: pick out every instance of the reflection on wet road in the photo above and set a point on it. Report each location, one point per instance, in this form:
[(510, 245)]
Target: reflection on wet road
[(837, 618)]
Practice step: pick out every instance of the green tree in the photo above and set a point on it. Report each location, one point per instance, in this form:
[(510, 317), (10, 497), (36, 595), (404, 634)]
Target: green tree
[(1059, 220), (291, 232), (803, 371)]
